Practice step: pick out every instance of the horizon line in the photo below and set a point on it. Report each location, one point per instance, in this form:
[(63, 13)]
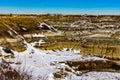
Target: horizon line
[(82, 11), (53, 14)]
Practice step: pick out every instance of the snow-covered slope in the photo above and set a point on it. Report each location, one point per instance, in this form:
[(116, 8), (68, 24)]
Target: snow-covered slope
[(44, 63), (100, 76), (44, 25)]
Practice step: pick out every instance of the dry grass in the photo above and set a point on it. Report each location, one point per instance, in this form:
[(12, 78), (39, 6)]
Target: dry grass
[(8, 73), (97, 65)]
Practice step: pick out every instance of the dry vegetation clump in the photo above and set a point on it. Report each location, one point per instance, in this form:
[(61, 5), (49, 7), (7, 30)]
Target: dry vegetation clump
[(8, 73), (60, 74)]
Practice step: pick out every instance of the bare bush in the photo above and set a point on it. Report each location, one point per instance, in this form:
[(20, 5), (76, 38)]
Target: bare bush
[(8, 73)]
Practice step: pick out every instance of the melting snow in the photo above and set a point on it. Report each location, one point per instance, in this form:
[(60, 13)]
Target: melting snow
[(38, 35), (39, 61), (100, 76), (97, 35)]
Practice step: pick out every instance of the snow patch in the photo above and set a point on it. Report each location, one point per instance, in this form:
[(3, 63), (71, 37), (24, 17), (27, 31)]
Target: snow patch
[(38, 35)]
